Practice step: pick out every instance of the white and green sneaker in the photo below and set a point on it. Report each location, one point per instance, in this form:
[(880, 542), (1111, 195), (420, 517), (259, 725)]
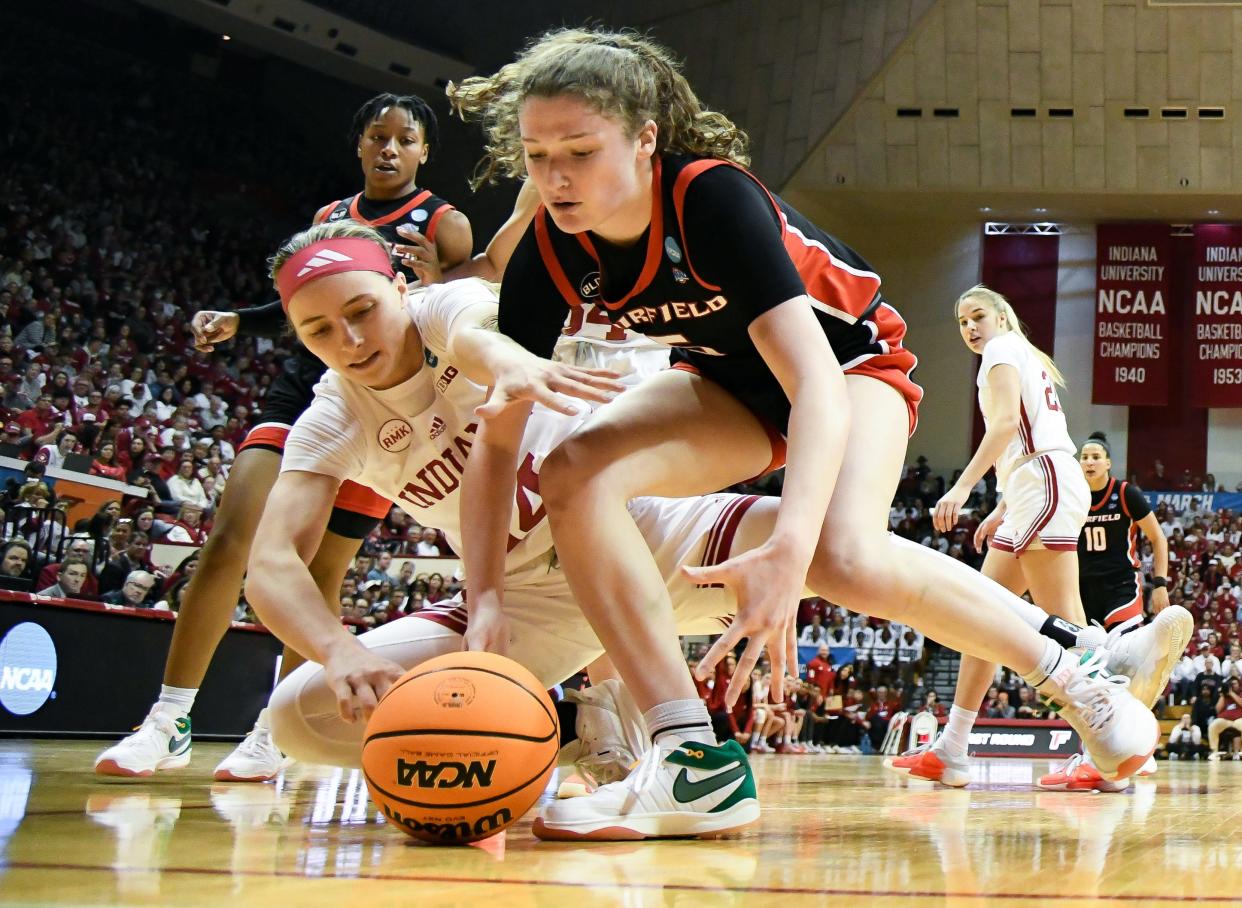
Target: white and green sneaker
[(611, 738), (161, 742), (678, 788)]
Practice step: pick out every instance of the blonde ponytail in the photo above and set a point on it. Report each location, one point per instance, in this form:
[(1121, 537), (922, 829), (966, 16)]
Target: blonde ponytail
[(1002, 308)]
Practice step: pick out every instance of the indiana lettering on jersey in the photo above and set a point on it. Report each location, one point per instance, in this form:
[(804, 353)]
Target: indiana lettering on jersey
[(673, 311), (442, 475)]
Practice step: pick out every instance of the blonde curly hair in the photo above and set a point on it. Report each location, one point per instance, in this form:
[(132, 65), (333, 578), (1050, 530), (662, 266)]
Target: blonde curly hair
[(621, 74)]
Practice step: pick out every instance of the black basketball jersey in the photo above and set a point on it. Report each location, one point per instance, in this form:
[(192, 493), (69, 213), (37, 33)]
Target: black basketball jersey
[(661, 294), (1108, 543), (419, 208)]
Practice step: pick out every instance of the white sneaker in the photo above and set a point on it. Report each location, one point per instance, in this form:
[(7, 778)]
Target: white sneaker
[(255, 759), (1214, 756), (678, 788), (1147, 656), (611, 738), (1117, 730), (161, 742)]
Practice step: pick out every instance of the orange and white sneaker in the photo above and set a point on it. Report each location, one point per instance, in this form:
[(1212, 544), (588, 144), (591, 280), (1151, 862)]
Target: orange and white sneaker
[(933, 763), (611, 738), (1149, 768), (1078, 774)]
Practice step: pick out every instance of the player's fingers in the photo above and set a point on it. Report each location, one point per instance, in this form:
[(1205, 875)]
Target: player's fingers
[(724, 644), (745, 665), (365, 699), (701, 576), (344, 701), (595, 378), (582, 391), (791, 644)]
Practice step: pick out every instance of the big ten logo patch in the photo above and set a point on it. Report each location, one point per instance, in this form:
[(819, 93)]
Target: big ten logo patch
[(446, 378), (394, 435)]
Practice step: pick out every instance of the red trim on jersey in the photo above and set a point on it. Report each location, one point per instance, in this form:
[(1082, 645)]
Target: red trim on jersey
[(392, 215), (551, 261), (1108, 490), (1052, 497), (323, 212), (680, 186), (1127, 611), (361, 500), (1125, 508), (655, 242), (434, 221), (720, 539), (1024, 430), (455, 619), (270, 436)]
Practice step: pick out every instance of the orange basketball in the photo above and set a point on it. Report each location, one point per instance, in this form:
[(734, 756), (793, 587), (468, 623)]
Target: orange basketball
[(460, 747)]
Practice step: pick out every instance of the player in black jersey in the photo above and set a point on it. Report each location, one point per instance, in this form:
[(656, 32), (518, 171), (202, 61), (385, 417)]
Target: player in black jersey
[(1109, 575), (779, 330), (392, 136)]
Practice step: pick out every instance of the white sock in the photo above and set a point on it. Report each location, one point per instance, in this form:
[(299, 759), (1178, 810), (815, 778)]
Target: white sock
[(956, 737), (688, 719), (1054, 662), (181, 699)]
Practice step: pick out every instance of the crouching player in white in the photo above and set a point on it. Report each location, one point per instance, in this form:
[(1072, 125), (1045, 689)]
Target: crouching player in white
[(396, 411)]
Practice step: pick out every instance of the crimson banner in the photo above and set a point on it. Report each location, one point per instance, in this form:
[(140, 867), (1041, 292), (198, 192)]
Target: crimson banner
[(1132, 351), (1216, 359)]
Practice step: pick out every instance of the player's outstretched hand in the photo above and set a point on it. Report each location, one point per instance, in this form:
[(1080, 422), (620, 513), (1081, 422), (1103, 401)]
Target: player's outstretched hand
[(948, 508), (359, 678), (768, 584), (210, 328), (530, 378), (488, 632), (419, 254)]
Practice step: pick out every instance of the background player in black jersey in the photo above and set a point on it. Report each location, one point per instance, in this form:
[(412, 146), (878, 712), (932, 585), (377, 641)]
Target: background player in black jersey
[(392, 136), (784, 329), (1110, 581), (1109, 574)]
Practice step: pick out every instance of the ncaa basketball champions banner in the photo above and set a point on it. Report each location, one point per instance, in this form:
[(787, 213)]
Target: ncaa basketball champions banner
[(1131, 364), (1216, 352)]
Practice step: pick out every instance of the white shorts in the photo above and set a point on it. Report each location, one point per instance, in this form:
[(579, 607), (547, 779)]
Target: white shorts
[(548, 632), (632, 362), (1046, 504)]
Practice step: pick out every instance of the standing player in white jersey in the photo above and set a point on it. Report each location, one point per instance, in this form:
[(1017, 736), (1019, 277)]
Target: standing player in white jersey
[(1034, 530)]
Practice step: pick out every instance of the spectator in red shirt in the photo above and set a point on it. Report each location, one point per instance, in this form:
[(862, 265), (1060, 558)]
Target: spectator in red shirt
[(80, 547), (1228, 716), (105, 463), (819, 671), (41, 422), (883, 707)]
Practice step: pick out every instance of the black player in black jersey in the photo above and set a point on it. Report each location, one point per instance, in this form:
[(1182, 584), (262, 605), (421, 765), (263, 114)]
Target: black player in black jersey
[(1109, 574), (392, 136)]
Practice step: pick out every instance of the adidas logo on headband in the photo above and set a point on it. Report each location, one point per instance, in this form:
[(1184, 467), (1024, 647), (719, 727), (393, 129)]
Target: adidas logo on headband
[(321, 258)]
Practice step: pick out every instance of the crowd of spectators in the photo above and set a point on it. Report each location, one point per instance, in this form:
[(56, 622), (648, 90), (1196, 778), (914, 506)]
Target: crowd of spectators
[(101, 270)]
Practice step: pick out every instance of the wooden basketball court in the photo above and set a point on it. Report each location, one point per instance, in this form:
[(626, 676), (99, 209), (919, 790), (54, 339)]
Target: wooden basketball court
[(834, 827)]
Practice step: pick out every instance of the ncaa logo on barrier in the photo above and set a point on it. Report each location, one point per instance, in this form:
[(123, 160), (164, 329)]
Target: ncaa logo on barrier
[(27, 668)]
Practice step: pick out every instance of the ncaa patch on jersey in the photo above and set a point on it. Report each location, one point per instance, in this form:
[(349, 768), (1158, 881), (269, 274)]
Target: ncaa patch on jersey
[(672, 250), (418, 214), (395, 435)]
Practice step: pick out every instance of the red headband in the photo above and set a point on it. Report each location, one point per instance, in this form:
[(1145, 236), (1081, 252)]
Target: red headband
[(331, 256)]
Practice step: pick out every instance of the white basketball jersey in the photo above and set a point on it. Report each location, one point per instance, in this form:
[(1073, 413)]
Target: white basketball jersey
[(1041, 421), (410, 443)]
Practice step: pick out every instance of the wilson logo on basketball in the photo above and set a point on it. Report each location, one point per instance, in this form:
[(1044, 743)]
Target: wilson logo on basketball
[(437, 427), (394, 435), (450, 832), (449, 774)]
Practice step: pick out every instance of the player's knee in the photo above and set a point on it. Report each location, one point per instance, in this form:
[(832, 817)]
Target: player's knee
[(310, 736), (566, 472)]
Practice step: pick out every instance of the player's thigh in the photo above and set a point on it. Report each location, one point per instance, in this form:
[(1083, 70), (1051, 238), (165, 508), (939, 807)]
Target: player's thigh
[(1052, 577), (855, 527), (303, 708), (1006, 569), (675, 434)]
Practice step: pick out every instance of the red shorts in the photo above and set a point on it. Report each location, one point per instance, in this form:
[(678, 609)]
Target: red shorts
[(270, 436)]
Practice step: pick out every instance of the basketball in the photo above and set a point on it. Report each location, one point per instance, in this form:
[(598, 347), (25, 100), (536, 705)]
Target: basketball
[(460, 747)]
